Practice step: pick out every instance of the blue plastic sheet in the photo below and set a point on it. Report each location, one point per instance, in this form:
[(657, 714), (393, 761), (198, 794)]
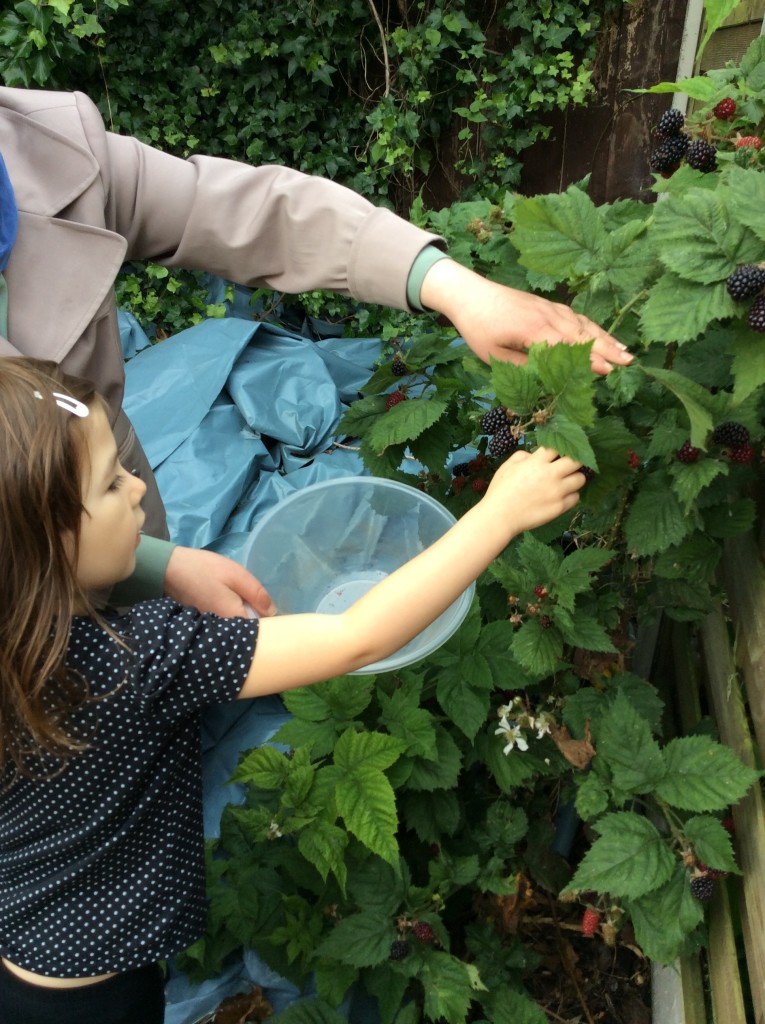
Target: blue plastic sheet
[(233, 416)]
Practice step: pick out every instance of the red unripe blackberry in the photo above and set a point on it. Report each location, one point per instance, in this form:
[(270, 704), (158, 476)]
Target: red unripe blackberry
[(749, 142), (730, 435), (725, 109), (394, 398), (756, 318), (688, 453), (458, 483), (741, 454), (540, 590), (702, 887), (503, 443), (399, 949), (422, 931), (545, 621), (493, 420), (398, 366), (633, 459), (745, 282), (478, 463), (702, 156), (590, 921), (479, 485), (670, 122), (729, 825), (711, 872)]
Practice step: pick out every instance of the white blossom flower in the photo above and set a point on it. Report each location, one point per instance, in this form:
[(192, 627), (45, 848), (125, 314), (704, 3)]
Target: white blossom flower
[(274, 832), (543, 724), (512, 733)]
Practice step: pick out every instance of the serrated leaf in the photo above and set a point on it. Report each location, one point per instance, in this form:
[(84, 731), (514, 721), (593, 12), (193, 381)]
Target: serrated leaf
[(694, 559), (506, 1005), (696, 238), (360, 416), (567, 438), (694, 398), (625, 743), (440, 772), (559, 235), (361, 940), (698, 88), (566, 374), (703, 775), (715, 11), (656, 520), (367, 803), (516, 387), (433, 815), (585, 631), (366, 750), (265, 767), (319, 737), (447, 985), (745, 191), (343, 698), (324, 845), (536, 649), (678, 310), (387, 988), (664, 918), (711, 843), (748, 365), (404, 718), (730, 518), (466, 707), (629, 858), (405, 421), (689, 480), (433, 349), (591, 798)]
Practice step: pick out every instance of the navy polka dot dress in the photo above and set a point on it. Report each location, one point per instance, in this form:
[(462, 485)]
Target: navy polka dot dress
[(102, 867)]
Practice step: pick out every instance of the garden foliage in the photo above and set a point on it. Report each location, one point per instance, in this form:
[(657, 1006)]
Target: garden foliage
[(395, 838)]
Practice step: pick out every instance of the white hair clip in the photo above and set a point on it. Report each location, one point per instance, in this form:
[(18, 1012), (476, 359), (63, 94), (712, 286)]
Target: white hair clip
[(68, 403)]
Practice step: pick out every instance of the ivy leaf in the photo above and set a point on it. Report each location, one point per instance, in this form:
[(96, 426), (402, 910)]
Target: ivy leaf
[(711, 843), (405, 421), (626, 744), (694, 399), (663, 918), (656, 519), (516, 387), (360, 940), (678, 310), (628, 859), (703, 775)]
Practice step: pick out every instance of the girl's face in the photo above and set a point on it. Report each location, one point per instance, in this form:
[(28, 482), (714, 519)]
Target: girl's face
[(113, 517)]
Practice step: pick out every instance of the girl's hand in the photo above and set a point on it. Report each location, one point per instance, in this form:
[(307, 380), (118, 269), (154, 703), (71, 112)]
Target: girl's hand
[(502, 322), (213, 583), (533, 488)]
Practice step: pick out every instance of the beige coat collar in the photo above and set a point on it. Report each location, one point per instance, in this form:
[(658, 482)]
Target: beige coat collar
[(61, 270)]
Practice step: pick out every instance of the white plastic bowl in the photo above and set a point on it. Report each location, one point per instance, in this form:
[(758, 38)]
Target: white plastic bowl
[(324, 546)]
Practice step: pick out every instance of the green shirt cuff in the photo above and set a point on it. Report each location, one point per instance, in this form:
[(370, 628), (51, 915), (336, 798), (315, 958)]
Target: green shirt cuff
[(148, 579), (422, 264)]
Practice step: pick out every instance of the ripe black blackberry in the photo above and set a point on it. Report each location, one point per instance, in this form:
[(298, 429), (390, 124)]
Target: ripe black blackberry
[(756, 317), (745, 282), (493, 420), (461, 469), (702, 156), (670, 153), (503, 443), (398, 366), (688, 453), (399, 949), (730, 435), (702, 887), (670, 122)]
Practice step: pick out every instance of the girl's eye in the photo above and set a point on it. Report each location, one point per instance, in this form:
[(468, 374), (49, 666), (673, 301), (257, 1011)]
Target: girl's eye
[(116, 482)]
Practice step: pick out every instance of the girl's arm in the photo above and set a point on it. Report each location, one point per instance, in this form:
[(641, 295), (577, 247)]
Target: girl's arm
[(294, 650)]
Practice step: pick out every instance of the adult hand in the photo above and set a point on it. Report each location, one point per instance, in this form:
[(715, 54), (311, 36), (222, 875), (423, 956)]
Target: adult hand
[(214, 583), (502, 322)]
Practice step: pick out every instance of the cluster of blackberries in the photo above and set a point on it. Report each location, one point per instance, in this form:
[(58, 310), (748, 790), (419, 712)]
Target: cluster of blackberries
[(748, 282), (734, 437), (475, 472), (498, 423), (676, 145)]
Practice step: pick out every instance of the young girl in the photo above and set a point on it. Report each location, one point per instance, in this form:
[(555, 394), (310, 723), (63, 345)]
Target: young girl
[(101, 840)]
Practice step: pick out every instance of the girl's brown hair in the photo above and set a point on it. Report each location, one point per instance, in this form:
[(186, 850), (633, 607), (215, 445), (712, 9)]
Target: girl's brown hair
[(42, 456)]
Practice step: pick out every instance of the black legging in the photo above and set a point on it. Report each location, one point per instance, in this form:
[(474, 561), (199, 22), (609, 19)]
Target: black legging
[(135, 997)]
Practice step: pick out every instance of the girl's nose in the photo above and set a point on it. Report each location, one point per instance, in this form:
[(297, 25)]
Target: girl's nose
[(139, 487)]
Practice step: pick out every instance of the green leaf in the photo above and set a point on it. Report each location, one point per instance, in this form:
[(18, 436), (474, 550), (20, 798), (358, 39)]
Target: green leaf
[(373, 750), (404, 718), (559, 235), (431, 815), (536, 649), (703, 775), (630, 858), (448, 985), (656, 519), (506, 1005), (344, 698), (360, 940), (265, 767), (694, 559), (565, 373), (748, 365), (516, 387), (698, 88), (711, 843), (360, 416), (678, 310), (591, 798), (625, 743), (694, 398), (324, 845), (567, 438), (441, 772), (388, 989), (715, 13), (405, 421), (690, 479), (730, 518), (465, 706), (664, 918)]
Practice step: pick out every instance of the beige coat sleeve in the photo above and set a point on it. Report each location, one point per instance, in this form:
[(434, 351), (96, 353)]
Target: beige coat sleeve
[(258, 226)]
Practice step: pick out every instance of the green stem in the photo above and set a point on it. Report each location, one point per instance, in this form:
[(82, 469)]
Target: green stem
[(625, 310)]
